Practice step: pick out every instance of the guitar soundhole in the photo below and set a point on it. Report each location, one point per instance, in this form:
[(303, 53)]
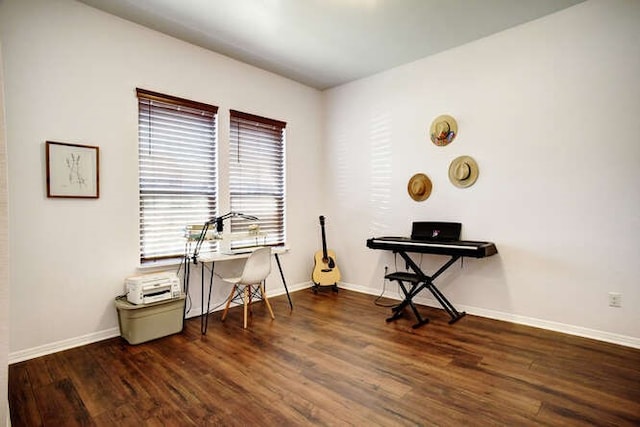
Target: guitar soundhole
[(330, 262)]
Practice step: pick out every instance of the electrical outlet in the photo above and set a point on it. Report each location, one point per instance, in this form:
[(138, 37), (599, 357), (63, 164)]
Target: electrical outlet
[(615, 299)]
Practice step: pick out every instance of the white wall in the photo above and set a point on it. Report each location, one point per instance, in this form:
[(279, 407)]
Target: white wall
[(549, 110), (71, 73)]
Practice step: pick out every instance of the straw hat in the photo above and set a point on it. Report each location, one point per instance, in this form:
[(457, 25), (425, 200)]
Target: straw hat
[(444, 129), (463, 171), (419, 187)]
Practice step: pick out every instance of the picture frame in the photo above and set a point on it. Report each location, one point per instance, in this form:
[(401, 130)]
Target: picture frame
[(72, 170)]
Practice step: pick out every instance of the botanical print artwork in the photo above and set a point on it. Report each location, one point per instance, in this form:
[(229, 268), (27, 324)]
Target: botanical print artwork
[(76, 173), (72, 170)]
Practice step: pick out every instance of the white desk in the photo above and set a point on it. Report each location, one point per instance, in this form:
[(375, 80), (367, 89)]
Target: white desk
[(213, 257)]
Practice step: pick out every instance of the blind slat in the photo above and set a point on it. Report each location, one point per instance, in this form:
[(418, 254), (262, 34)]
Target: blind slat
[(257, 176), (178, 171)]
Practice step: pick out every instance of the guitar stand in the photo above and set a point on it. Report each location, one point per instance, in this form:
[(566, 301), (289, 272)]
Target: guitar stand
[(317, 286), (419, 281)]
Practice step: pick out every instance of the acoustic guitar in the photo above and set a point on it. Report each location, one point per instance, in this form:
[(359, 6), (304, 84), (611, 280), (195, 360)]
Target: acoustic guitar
[(325, 270)]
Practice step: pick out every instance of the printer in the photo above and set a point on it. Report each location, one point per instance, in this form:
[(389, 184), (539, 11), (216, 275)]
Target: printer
[(153, 287)]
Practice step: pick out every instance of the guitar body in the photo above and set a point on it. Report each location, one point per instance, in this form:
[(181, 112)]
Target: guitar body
[(325, 270), (323, 273)]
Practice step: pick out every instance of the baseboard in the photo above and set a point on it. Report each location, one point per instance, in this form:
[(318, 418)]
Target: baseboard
[(552, 326), (609, 337), (43, 350)]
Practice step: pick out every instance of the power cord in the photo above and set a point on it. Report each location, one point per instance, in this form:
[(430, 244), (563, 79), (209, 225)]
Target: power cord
[(384, 285)]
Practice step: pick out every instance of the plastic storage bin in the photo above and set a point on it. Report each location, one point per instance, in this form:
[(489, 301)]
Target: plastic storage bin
[(146, 322)]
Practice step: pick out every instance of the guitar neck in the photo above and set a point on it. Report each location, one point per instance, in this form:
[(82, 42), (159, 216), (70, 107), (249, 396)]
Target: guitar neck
[(324, 242)]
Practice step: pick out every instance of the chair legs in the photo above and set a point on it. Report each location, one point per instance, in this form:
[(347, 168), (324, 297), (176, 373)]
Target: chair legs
[(266, 300), (226, 308), (246, 300)]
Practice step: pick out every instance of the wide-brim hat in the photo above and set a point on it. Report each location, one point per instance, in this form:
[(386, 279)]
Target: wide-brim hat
[(443, 130), (419, 187), (463, 171)]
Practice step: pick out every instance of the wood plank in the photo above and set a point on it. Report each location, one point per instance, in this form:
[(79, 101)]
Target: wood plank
[(61, 405), (98, 390), (22, 402), (334, 360)]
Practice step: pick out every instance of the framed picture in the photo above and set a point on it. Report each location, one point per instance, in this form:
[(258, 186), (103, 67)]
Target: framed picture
[(72, 170)]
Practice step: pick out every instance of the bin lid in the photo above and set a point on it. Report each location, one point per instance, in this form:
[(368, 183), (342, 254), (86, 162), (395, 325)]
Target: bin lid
[(122, 302)]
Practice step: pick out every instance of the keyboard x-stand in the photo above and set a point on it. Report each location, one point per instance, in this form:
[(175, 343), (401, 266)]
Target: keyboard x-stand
[(418, 280)]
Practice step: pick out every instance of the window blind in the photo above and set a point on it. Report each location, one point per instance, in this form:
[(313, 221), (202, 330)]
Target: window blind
[(257, 176), (177, 171)]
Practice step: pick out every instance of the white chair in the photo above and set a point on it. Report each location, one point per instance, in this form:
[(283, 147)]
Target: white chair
[(256, 269)]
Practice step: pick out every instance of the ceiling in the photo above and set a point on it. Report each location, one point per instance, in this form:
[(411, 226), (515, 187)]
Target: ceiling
[(325, 43)]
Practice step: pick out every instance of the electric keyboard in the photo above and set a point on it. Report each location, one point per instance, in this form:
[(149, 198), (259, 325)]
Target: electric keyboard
[(467, 248), (439, 238)]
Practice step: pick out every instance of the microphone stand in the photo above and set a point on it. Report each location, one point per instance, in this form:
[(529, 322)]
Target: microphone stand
[(218, 221), (196, 250)]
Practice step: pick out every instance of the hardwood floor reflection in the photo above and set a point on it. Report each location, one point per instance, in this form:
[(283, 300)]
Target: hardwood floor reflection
[(333, 361)]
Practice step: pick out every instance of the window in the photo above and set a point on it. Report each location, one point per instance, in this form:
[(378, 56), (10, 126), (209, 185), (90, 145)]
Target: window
[(178, 171), (256, 176)]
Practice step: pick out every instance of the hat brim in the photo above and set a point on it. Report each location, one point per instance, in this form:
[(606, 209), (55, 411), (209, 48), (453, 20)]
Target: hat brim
[(474, 172), (423, 179), (451, 135)]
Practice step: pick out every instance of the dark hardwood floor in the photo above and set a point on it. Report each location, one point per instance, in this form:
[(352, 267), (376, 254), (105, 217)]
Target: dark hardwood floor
[(334, 361)]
